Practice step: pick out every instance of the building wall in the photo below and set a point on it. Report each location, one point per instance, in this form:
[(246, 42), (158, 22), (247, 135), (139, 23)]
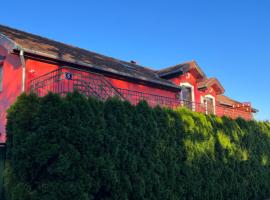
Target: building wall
[(220, 110), (141, 88), (35, 69), (190, 78), (234, 112), (210, 91), (12, 86)]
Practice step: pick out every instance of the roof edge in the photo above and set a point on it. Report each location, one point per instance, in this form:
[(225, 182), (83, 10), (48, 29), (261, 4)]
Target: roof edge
[(186, 69), (199, 68), (213, 80), (38, 53), (171, 73), (9, 44)]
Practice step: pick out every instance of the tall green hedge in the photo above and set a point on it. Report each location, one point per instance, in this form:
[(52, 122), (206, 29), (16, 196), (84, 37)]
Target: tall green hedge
[(77, 148), (2, 164)]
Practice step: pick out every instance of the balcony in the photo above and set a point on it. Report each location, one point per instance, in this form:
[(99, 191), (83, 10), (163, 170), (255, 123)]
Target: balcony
[(65, 80)]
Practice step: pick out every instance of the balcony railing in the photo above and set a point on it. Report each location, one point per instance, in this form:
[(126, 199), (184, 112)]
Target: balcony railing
[(65, 80)]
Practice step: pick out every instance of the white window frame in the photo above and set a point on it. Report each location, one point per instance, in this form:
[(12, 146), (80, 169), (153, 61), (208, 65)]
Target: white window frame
[(214, 102), (188, 85)]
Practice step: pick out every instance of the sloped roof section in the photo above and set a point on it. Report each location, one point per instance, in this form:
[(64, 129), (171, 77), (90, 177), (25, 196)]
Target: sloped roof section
[(226, 100), (211, 82), (41, 46), (222, 99), (190, 66)]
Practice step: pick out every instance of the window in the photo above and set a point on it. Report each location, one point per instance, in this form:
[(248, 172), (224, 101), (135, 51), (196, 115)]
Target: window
[(209, 102), (1, 76), (187, 95)]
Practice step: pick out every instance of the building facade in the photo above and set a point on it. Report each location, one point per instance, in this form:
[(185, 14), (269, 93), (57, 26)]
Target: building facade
[(31, 63)]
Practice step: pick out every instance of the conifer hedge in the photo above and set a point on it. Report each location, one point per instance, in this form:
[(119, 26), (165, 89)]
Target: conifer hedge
[(83, 149)]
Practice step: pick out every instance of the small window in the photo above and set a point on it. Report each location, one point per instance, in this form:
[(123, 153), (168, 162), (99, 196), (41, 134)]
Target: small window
[(209, 103), (186, 94), (1, 76)]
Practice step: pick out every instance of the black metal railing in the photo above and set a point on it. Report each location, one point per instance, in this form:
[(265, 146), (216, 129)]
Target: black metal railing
[(65, 80)]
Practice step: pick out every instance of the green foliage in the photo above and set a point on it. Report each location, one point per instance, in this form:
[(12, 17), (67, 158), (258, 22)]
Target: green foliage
[(77, 148), (2, 164)]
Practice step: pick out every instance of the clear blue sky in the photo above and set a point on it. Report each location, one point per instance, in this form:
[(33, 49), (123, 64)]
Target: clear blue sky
[(230, 39)]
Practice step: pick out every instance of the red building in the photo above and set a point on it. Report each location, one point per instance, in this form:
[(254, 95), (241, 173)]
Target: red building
[(32, 63)]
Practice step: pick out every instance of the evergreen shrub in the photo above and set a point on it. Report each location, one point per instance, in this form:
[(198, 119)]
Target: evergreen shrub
[(77, 148)]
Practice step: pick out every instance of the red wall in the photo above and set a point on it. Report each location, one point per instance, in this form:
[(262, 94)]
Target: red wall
[(220, 110), (12, 81), (12, 86), (189, 78), (208, 91), (35, 69), (141, 88)]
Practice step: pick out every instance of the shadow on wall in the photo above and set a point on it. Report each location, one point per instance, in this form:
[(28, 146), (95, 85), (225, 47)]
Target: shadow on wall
[(11, 88)]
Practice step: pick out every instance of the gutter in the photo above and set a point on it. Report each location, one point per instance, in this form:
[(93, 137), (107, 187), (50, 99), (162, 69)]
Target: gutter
[(171, 73), (10, 45), (23, 69), (83, 64)]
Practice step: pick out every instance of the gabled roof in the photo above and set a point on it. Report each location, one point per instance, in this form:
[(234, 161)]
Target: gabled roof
[(37, 45), (206, 83), (190, 66)]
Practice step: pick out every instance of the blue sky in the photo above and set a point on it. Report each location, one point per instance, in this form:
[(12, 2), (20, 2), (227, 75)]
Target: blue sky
[(229, 39)]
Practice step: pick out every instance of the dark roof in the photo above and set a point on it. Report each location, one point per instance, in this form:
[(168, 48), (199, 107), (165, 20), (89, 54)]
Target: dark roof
[(41, 46), (206, 83), (172, 70), (183, 67)]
